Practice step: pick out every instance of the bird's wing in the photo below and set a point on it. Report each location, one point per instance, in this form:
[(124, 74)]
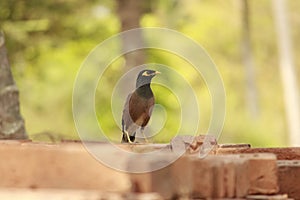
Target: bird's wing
[(131, 114), (148, 111), (136, 113), (140, 109), (126, 116)]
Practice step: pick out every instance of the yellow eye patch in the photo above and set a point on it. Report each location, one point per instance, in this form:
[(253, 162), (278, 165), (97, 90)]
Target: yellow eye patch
[(152, 74), (146, 74)]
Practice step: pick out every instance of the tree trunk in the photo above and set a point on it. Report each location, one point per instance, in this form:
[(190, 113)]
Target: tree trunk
[(130, 13), (288, 74), (251, 89), (11, 122)]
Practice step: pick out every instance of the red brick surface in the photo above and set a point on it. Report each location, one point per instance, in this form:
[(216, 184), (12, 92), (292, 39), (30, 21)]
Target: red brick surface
[(171, 181), (288, 153), (59, 194), (67, 166), (234, 175), (213, 176), (289, 178), (257, 174), (268, 197), (228, 174)]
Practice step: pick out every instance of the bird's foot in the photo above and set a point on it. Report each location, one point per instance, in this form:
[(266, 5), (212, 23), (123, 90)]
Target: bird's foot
[(130, 142), (145, 138), (128, 138)]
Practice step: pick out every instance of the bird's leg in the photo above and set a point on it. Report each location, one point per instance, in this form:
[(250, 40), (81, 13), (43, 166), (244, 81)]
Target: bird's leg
[(142, 131), (128, 138)]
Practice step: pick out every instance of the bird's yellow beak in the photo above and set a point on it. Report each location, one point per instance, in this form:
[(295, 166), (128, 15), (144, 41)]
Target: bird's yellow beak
[(151, 74)]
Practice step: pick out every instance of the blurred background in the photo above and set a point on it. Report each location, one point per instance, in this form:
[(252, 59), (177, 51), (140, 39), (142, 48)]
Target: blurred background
[(254, 44)]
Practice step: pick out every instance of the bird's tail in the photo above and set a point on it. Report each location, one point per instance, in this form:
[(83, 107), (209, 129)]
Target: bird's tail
[(125, 139)]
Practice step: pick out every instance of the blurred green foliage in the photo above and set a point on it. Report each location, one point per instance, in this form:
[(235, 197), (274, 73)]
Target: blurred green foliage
[(48, 40)]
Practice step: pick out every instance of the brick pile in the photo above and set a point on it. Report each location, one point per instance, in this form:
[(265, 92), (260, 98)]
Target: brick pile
[(229, 172)]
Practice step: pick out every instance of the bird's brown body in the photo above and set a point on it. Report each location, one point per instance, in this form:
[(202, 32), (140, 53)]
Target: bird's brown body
[(137, 111)]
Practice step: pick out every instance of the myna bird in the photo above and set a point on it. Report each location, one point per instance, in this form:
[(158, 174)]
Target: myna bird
[(138, 107)]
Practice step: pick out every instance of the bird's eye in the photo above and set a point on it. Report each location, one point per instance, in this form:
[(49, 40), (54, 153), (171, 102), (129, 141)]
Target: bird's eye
[(145, 73)]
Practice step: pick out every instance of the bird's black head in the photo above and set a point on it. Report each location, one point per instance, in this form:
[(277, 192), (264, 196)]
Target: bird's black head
[(145, 77)]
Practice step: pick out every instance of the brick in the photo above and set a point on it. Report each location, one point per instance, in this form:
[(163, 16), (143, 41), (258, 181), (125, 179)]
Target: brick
[(228, 176), (268, 197), (214, 177), (192, 144), (227, 149), (145, 148), (64, 166), (142, 196), (172, 181), (256, 174), (286, 153), (289, 177), (203, 178), (57, 194), (235, 146), (242, 180)]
